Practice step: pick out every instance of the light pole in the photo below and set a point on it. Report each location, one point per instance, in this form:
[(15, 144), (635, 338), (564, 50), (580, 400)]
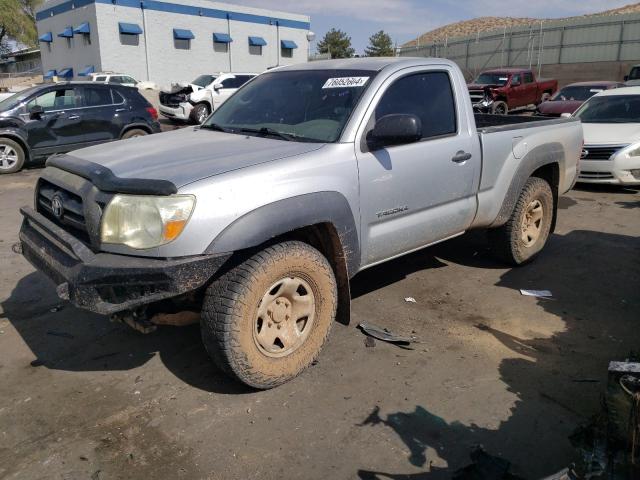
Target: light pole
[(310, 38)]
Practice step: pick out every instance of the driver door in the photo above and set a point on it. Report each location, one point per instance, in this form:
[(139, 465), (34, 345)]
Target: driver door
[(416, 194), (59, 128)]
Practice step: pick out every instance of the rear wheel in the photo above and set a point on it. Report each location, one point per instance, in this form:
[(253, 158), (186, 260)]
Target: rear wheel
[(526, 232), (11, 156), (200, 113), (499, 108), (266, 320), (134, 132)]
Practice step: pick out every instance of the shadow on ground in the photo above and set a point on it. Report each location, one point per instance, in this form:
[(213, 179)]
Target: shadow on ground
[(595, 280)]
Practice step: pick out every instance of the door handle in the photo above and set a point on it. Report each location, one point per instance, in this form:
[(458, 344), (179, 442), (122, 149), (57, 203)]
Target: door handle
[(461, 156), (73, 117), (121, 109)]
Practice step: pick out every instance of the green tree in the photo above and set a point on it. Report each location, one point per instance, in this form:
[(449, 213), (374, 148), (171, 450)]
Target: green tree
[(18, 21), (380, 45), (337, 43)]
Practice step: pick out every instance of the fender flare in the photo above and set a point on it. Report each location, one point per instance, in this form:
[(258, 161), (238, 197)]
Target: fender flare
[(284, 216), (546, 154)]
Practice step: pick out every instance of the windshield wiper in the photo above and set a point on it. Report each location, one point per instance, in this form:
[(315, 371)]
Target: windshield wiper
[(214, 126), (269, 131)]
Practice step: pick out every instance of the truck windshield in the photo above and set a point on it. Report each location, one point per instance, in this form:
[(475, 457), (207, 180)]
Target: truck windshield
[(492, 79), (611, 109), (204, 80), (303, 105), (577, 93)]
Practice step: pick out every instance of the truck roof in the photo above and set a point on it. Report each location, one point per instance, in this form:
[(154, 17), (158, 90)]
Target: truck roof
[(619, 91), (366, 63), (507, 70)]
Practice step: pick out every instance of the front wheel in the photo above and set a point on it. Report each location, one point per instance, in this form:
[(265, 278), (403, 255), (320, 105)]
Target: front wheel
[(200, 113), (266, 320), (11, 156), (526, 232), (499, 108)]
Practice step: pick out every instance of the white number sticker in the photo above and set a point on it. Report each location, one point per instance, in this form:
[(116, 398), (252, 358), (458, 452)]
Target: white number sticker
[(345, 82)]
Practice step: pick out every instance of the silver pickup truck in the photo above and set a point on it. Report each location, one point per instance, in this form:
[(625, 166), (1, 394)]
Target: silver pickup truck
[(306, 176)]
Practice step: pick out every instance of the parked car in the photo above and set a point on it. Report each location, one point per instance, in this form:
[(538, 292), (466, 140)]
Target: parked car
[(570, 97), (56, 118), (499, 91), (611, 124), (121, 79), (633, 79), (195, 101), (306, 176)]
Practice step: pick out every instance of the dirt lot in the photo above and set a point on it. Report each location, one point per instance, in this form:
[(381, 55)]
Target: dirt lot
[(85, 398)]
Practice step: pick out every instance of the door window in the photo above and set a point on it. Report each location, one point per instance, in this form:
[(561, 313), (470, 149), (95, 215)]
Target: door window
[(231, 83), (102, 78), (116, 79), (426, 95), (56, 100), (528, 77), (96, 97), (516, 80), (130, 80)]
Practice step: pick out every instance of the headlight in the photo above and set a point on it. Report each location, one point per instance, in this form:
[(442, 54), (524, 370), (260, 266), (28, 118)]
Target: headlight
[(145, 221), (635, 151)]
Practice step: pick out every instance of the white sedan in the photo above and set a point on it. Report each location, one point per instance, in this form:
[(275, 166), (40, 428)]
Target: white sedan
[(611, 126)]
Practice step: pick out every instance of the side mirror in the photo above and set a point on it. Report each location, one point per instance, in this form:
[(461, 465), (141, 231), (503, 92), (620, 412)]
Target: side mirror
[(36, 112), (395, 129), (626, 77), (217, 86), (565, 115)]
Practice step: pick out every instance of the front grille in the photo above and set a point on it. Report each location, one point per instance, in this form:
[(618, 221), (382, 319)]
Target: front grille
[(600, 153), (476, 95), (172, 100), (63, 207), (596, 175)]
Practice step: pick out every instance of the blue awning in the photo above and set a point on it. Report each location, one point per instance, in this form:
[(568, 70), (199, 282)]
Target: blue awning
[(183, 34), (222, 38), (47, 37), (87, 71), (66, 73), (257, 42), (66, 33), (288, 44), (82, 28), (50, 74), (129, 28)]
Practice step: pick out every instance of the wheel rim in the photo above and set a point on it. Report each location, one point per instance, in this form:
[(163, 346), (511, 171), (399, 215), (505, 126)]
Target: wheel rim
[(202, 114), (8, 157), (500, 109), (532, 223), (285, 317)]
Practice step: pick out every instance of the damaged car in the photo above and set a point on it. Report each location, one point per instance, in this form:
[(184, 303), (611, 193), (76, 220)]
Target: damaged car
[(194, 102)]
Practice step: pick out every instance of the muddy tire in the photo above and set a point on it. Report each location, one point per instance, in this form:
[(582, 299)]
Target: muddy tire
[(12, 156), (134, 132), (526, 232), (200, 113), (266, 320), (499, 108)]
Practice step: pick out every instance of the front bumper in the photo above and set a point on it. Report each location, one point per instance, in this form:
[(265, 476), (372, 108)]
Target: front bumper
[(181, 112), (608, 172), (108, 283)]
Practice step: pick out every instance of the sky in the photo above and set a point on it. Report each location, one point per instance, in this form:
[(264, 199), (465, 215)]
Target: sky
[(406, 19)]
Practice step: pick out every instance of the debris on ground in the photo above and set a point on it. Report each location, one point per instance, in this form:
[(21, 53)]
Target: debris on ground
[(385, 335), (57, 308), (369, 342), (60, 334), (410, 300), (536, 293)]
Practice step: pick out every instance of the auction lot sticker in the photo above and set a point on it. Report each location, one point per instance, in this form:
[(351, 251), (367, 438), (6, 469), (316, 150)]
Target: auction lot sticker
[(345, 82)]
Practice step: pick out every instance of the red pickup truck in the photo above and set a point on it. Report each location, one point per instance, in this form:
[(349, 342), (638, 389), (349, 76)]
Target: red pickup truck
[(501, 90)]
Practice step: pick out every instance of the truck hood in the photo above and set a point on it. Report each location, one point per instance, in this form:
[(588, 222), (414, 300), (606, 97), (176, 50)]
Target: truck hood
[(187, 155), (611, 133)]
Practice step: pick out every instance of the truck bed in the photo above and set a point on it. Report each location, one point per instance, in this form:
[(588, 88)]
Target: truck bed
[(486, 122)]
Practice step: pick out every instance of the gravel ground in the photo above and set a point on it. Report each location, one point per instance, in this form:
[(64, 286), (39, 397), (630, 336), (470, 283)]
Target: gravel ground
[(85, 398)]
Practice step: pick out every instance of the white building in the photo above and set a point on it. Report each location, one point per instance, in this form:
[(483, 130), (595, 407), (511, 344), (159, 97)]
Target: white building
[(166, 41)]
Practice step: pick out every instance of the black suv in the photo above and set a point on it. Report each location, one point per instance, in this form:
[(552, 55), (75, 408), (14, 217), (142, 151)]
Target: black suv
[(57, 118)]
